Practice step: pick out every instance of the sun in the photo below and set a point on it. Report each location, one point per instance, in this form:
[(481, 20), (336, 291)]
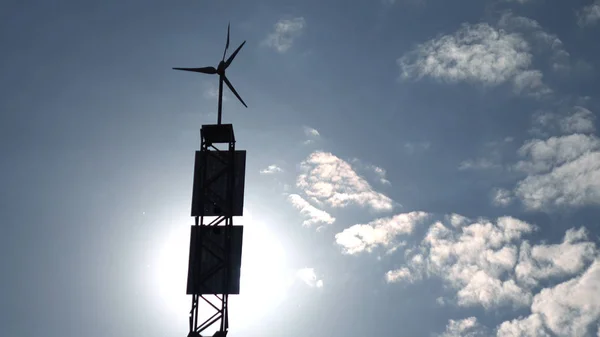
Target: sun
[(265, 276)]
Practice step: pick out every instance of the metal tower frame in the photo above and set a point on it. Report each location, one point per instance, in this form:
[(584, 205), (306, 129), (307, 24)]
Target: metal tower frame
[(225, 206)]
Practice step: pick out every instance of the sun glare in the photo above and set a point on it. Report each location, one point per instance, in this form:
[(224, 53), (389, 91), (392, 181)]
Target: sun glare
[(265, 276), (172, 271)]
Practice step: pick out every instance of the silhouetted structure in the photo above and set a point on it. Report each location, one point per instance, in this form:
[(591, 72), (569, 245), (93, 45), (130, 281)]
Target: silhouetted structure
[(218, 192), (220, 70)]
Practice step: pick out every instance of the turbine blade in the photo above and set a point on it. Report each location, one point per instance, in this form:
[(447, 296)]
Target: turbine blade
[(204, 70), (230, 59), (227, 43), (233, 90)]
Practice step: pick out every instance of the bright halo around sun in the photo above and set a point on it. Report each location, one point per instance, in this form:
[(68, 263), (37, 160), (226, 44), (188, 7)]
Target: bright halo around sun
[(265, 276), (171, 272), (264, 281)]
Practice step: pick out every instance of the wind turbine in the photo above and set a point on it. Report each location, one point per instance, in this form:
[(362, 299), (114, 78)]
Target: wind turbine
[(220, 70)]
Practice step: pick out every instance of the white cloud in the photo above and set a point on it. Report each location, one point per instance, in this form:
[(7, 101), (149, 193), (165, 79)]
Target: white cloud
[(475, 53), (542, 262), (457, 220), (285, 32), (311, 134), (315, 215), (543, 121), (477, 164), (489, 291), (489, 55), (576, 120), (380, 232), (402, 274), (412, 148), (381, 173), (573, 235), (331, 180), (408, 275), (571, 308), (308, 276), (473, 259), (581, 120), (212, 92), (539, 39), (563, 171), (532, 326), (502, 197), (468, 327), (576, 183), (543, 155), (271, 169), (589, 14), (529, 82), (491, 265)]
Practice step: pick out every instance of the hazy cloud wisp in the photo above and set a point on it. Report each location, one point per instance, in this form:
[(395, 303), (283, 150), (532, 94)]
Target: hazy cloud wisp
[(284, 34)]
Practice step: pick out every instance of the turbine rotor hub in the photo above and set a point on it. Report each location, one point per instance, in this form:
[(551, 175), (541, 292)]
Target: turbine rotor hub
[(221, 68)]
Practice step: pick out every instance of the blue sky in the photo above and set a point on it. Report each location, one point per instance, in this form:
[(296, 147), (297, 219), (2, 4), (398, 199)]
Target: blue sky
[(415, 168)]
